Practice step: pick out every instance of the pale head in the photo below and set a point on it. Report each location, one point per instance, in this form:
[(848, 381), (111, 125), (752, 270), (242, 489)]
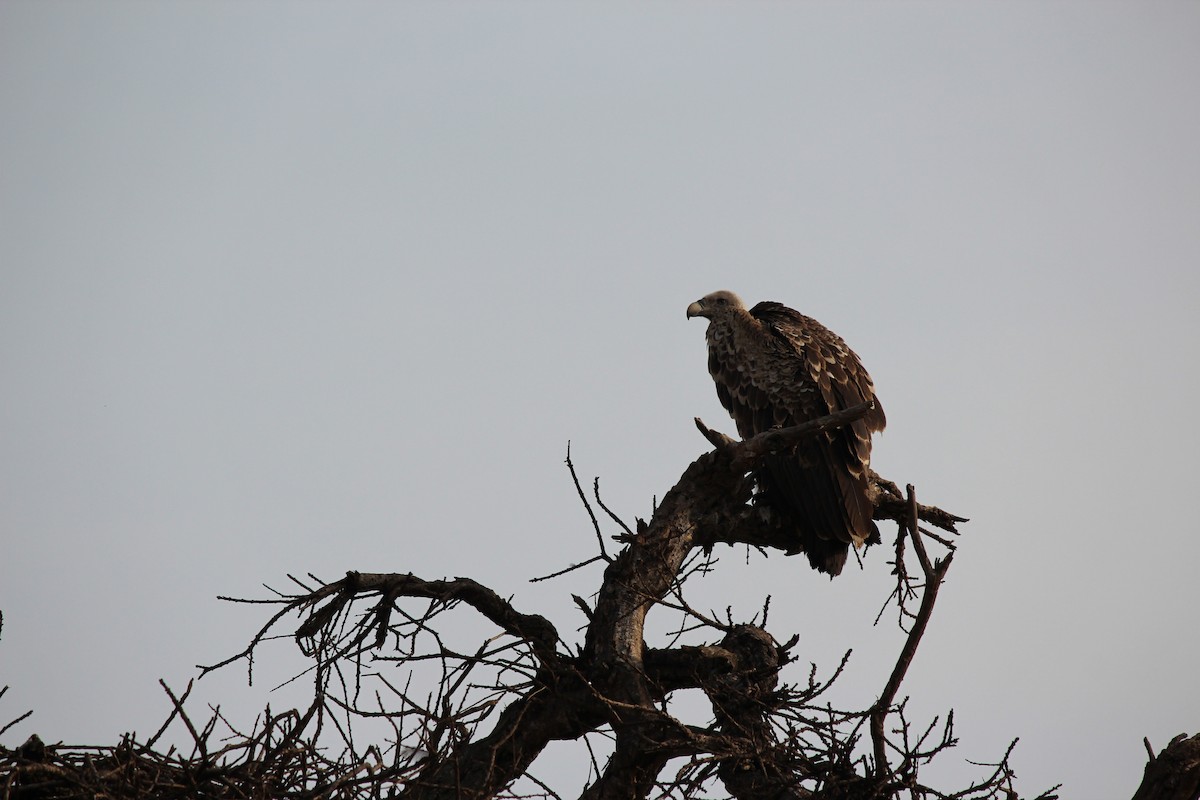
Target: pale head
[(715, 304)]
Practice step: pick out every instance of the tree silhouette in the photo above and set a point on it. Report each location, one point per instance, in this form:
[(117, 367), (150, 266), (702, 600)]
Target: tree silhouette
[(470, 722), (495, 709)]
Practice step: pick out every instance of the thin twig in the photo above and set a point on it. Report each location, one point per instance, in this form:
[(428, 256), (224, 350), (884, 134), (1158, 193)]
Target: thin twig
[(565, 570), (586, 505), (612, 515), (934, 575)]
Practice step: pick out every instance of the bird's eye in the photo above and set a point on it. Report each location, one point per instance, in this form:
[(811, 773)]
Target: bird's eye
[(721, 301)]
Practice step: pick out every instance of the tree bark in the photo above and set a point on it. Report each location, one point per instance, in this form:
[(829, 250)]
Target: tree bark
[(1173, 774)]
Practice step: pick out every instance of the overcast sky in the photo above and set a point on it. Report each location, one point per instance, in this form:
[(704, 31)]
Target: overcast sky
[(302, 287)]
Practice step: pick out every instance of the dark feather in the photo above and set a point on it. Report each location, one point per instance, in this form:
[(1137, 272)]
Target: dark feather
[(775, 367)]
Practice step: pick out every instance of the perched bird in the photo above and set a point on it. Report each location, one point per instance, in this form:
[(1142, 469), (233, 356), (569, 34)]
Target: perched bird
[(774, 368)]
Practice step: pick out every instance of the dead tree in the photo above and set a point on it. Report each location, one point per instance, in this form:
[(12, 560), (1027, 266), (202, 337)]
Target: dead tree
[(494, 710), (470, 723)]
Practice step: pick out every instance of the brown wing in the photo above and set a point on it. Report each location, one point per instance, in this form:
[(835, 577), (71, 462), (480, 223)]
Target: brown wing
[(824, 482), (830, 366)]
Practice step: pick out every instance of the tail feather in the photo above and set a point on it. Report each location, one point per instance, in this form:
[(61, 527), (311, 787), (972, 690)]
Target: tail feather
[(827, 505)]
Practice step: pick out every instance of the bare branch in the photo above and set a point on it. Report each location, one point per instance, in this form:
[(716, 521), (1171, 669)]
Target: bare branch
[(587, 506), (469, 721), (934, 575)]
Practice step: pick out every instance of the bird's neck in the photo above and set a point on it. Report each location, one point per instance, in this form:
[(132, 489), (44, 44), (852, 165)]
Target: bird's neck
[(734, 327), (733, 332)]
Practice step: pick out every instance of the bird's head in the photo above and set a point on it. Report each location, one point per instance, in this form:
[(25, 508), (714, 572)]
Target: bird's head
[(717, 304)]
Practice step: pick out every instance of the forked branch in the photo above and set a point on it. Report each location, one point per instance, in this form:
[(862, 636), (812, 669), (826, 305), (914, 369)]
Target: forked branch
[(935, 573)]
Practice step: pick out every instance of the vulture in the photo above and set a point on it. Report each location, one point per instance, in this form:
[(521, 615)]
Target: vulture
[(774, 368)]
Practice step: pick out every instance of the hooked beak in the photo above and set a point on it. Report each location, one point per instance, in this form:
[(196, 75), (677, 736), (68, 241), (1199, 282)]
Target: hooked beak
[(695, 310)]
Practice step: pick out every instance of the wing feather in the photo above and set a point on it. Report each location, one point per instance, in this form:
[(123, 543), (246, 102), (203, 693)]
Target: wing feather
[(774, 367), (825, 480)]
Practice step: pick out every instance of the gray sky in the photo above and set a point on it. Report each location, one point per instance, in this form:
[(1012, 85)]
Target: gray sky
[(308, 287)]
